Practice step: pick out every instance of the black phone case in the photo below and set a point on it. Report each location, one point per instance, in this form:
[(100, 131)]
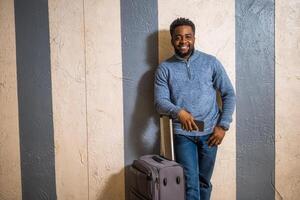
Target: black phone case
[(200, 125)]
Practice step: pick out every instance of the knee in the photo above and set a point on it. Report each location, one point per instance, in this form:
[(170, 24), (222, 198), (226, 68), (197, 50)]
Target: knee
[(191, 179)]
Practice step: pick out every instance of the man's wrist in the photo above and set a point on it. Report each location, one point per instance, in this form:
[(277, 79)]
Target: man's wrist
[(175, 112), (223, 127)]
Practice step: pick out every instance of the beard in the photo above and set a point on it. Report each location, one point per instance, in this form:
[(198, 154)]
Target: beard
[(184, 55)]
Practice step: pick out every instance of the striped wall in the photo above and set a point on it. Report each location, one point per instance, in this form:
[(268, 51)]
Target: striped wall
[(76, 94)]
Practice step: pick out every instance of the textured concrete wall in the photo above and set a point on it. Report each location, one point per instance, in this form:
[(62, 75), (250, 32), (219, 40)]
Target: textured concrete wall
[(287, 32), (87, 99), (215, 34), (255, 74), (35, 99), (92, 146), (10, 172), (139, 61), (66, 22), (104, 99)]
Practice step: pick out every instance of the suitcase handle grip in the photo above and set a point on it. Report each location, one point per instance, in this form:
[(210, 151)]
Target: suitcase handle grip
[(157, 159)]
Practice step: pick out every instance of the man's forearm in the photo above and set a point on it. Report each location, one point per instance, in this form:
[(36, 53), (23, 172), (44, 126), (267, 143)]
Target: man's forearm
[(165, 107)]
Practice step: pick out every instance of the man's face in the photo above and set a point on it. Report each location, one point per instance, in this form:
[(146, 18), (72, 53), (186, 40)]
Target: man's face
[(183, 40)]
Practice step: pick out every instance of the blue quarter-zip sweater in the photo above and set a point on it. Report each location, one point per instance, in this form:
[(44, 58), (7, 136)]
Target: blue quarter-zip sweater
[(192, 85)]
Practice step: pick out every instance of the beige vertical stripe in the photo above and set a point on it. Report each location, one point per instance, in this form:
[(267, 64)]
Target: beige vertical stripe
[(10, 172), (287, 42), (66, 21), (215, 34), (105, 99)]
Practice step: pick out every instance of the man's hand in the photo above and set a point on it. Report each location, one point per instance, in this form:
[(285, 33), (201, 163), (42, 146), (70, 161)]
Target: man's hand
[(217, 137), (187, 120)]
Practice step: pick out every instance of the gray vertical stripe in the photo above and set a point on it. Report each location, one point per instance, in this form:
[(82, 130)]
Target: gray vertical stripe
[(139, 23), (255, 70), (35, 99)]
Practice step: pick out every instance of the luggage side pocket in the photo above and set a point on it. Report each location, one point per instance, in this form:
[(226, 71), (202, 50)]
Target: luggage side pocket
[(141, 183)]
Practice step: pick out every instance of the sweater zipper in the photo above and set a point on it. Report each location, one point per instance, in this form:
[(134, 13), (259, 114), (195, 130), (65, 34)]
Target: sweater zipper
[(188, 70)]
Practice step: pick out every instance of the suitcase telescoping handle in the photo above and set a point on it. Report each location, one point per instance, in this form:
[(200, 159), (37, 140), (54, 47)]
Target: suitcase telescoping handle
[(166, 137)]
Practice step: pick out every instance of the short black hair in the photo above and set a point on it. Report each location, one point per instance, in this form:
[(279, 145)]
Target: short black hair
[(181, 22)]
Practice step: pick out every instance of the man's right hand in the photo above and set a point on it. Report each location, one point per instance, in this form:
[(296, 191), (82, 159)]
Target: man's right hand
[(187, 120)]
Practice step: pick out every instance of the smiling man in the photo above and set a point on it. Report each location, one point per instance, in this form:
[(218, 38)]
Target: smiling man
[(186, 89)]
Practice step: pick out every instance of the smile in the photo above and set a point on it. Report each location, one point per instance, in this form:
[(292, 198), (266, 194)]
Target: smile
[(183, 48)]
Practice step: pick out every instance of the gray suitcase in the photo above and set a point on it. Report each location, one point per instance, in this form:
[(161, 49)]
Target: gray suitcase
[(156, 178), (153, 177)]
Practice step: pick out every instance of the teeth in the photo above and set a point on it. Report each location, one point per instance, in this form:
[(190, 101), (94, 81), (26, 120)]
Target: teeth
[(183, 47)]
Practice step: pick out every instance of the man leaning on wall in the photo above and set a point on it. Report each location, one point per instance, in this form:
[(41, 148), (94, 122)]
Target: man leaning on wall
[(185, 88)]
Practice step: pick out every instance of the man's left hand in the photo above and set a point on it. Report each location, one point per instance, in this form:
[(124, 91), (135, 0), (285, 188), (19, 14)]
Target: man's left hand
[(217, 137)]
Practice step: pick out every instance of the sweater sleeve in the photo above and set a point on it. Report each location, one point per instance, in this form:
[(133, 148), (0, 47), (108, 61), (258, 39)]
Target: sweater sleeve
[(162, 99), (222, 82)]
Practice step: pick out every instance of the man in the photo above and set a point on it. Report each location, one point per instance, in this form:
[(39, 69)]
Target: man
[(185, 88)]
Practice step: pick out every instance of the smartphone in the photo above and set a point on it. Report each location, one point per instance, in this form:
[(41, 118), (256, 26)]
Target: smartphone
[(200, 125)]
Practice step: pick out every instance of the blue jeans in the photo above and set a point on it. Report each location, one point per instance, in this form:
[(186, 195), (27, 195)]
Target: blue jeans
[(198, 160)]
